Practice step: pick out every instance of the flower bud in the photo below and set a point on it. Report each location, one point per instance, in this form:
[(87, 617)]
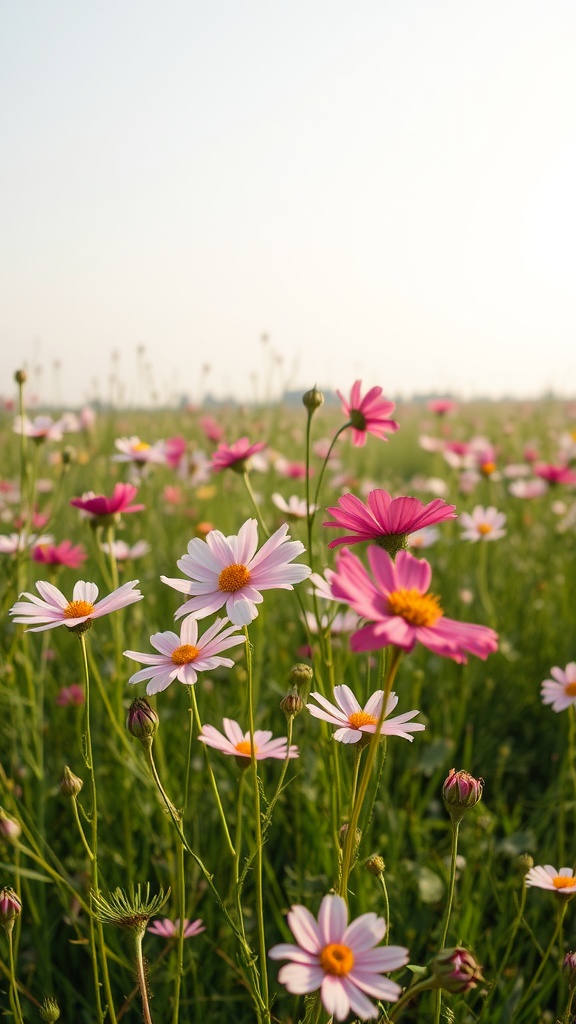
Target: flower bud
[(9, 829), (142, 721), (524, 863), (292, 703), (375, 865), (460, 792), (10, 907), (20, 376), (456, 970), (312, 400), (69, 455), (569, 968), (70, 784), (50, 1011), (301, 675)]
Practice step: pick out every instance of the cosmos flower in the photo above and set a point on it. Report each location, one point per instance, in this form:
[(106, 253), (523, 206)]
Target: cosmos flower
[(532, 488), (174, 451), (295, 507), (229, 571), (384, 519), (10, 543), (183, 657), (235, 456), (73, 694), (368, 415), (101, 508), (483, 524), (237, 743), (562, 882), (400, 610), (53, 609), (66, 553), (41, 428), (171, 929), (560, 691), (132, 449), (123, 552), (340, 959), (359, 724), (555, 474), (424, 538), (441, 406)]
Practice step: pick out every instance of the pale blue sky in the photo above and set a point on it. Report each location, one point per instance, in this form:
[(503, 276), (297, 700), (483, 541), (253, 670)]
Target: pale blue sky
[(386, 189)]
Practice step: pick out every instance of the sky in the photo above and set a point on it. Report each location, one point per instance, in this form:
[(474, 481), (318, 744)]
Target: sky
[(246, 196)]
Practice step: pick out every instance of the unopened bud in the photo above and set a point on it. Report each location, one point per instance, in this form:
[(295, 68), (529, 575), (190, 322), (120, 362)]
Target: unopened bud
[(569, 968), (456, 970), (20, 376), (460, 792), (375, 865), (292, 703), (142, 721), (525, 863), (313, 399), (301, 675), (69, 455), (70, 784), (50, 1011), (10, 907), (9, 829)]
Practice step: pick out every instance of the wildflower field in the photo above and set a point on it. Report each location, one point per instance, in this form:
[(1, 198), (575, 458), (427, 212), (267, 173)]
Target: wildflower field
[(287, 714)]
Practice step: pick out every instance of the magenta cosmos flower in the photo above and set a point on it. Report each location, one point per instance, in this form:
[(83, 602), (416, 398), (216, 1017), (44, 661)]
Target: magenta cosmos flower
[(171, 929), (368, 415), (359, 724), (400, 610), (555, 474), (561, 882), (66, 553), (483, 524), (560, 691), (340, 959), (441, 406), (238, 744), (384, 519), (235, 456), (183, 657), (53, 609), (103, 508), (229, 571)]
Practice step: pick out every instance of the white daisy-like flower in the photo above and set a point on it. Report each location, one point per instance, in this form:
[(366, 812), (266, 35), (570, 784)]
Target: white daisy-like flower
[(239, 745), (483, 524), (132, 449), (560, 881), (183, 657), (358, 723), (53, 609), (295, 507), (560, 691)]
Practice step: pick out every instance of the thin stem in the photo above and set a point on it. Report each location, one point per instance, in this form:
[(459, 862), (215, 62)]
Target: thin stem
[(180, 944), (14, 998), (448, 910), (194, 705), (536, 977), (408, 994), (508, 950), (141, 976), (256, 507)]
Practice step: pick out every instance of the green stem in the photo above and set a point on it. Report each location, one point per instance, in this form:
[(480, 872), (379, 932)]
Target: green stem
[(483, 583), (141, 976), (180, 945), (213, 783), (14, 998), (448, 910), (536, 977), (508, 950), (413, 990), (255, 505)]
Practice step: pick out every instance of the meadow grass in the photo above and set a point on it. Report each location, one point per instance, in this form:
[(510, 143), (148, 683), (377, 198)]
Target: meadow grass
[(486, 717)]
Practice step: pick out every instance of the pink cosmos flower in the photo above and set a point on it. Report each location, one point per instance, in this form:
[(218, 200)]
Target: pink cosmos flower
[(211, 429), (560, 691), (400, 610), (53, 609), (483, 524), (292, 470), (124, 553), (237, 743), (101, 507), (235, 456), (171, 929), (182, 657), (41, 428), (174, 451), (359, 724), (132, 449), (384, 519), (560, 474), (441, 406), (295, 507), (368, 415), (528, 488), (340, 959), (10, 543), (562, 882), (73, 694), (66, 553), (229, 571)]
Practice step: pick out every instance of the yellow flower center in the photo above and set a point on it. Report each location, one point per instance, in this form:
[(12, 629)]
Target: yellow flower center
[(484, 528), (570, 689), (142, 446), (563, 882), (184, 654), (76, 609), (233, 578), (418, 609), (359, 718), (337, 959), (244, 748), (488, 468)]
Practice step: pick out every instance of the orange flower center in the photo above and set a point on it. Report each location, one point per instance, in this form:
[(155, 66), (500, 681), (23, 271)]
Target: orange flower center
[(484, 528), (76, 609), (563, 882), (418, 609), (337, 959), (570, 689), (233, 578), (184, 654), (244, 748), (488, 468), (360, 718), (142, 446)]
